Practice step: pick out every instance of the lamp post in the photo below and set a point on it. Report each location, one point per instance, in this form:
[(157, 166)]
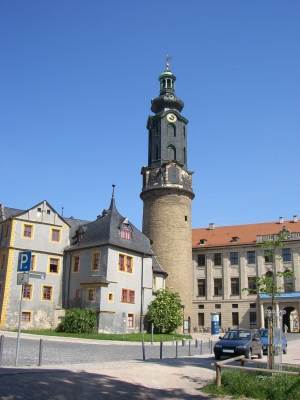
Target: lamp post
[(183, 307)]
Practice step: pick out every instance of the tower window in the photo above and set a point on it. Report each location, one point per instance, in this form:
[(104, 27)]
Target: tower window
[(156, 152), (183, 131), (171, 130), (184, 155), (168, 83), (171, 152)]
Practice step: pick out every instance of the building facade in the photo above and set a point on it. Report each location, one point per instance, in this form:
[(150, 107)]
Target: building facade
[(42, 231), (227, 260), (106, 264), (167, 190)]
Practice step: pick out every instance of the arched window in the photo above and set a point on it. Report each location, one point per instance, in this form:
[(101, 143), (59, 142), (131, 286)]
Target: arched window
[(168, 83), (183, 131), (171, 130), (156, 152), (171, 152), (184, 155)]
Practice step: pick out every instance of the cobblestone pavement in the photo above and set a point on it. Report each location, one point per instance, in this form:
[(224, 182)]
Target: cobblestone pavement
[(109, 371), (78, 351)]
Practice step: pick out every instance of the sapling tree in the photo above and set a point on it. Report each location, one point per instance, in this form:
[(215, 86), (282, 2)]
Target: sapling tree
[(269, 284)]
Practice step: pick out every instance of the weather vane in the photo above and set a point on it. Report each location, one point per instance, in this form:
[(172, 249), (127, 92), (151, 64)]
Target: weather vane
[(168, 59)]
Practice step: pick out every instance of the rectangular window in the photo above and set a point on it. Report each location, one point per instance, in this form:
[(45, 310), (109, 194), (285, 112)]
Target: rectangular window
[(128, 264), (251, 257), (26, 316), (268, 256), (91, 294), (130, 320), (110, 297), (47, 292), (201, 260), (253, 318), (235, 287), (286, 255), (218, 259), (235, 318), (235, 306), (96, 261), (27, 292), (218, 287), (200, 319), (252, 305), (288, 284), (6, 230), (252, 284), (128, 296), (48, 212), (217, 305), (78, 294), (32, 262), (121, 262), (55, 235), (54, 266), (201, 306), (28, 230), (2, 260), (234, 258), (76, 260), (125, 234), (125, 263), (201, 287)]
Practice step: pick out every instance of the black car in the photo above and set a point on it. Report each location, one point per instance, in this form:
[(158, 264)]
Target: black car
[(238, 342)]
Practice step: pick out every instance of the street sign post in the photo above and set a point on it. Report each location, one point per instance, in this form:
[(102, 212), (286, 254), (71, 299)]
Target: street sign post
[(23, 279), (37, 275), (24, 261)]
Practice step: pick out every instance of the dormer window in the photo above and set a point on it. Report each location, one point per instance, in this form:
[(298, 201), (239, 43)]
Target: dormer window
[(202, 241), (79, 237), (125, 234), (235, 239)]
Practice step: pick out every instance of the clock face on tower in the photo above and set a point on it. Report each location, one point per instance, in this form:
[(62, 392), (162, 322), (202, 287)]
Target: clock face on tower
[(171, 117)]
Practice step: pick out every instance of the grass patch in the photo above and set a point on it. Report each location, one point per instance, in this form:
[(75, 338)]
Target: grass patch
[(128, 337), (257, 385)]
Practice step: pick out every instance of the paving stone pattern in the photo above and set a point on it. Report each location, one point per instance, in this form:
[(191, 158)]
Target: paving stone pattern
[(56, 352)]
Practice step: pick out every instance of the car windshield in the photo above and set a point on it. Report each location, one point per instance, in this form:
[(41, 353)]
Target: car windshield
[(264, 333), (237, 335)]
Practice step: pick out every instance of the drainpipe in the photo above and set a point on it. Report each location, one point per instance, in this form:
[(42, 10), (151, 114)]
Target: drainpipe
[(142, 293)]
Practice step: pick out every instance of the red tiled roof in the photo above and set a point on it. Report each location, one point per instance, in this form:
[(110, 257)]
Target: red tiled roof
[(222, 236)]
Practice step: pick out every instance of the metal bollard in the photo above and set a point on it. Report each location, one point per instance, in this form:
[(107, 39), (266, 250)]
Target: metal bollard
[(143, 349), (1, 348), (201, 348), (161, 349), (190, 348), (183, 342), (176, 356), (173, 341), (41, 353), (211, 347), (196, 343)]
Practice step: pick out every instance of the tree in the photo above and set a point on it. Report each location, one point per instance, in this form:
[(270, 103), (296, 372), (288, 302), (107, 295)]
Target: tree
[(268, 282), (165, 311)]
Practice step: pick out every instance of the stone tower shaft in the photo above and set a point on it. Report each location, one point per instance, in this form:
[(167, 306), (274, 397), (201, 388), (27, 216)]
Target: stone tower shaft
[(167, 190)]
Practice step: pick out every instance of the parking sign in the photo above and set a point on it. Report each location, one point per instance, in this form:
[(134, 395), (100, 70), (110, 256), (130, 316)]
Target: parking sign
[(24, 261)]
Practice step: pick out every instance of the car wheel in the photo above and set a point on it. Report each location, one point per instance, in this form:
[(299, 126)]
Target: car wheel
[(217, 357), (248, 354), (260, 354)]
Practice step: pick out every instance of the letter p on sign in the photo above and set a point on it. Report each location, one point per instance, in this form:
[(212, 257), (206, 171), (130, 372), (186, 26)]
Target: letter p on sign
[(24, 261)]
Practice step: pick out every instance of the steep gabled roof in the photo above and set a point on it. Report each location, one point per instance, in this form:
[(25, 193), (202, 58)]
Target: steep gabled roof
[(106, 230), (245, 234)]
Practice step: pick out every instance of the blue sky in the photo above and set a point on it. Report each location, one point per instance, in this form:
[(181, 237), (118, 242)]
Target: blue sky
[(77, 78)]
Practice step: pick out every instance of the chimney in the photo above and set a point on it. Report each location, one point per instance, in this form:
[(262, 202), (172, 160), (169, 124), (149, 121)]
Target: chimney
[(295, 219), (211, 226), (281, 220), (2, 215)]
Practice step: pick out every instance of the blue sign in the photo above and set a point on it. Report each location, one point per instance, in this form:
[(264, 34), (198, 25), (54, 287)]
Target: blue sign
[(24, 261), (215, 324)]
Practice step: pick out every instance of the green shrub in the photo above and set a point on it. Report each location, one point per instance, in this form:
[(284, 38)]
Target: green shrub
[(79, 321)]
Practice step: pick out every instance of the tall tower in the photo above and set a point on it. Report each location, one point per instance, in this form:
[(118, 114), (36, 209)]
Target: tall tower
[(167, 190)]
